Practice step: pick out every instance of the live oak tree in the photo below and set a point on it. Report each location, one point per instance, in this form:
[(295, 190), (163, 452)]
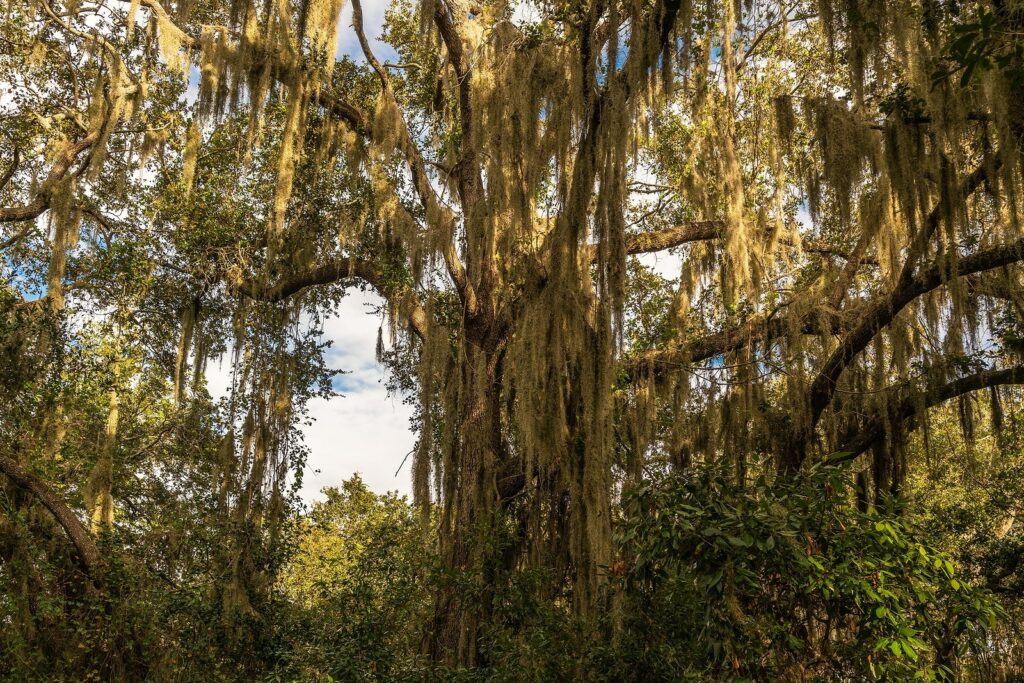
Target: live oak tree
[(840, 185)]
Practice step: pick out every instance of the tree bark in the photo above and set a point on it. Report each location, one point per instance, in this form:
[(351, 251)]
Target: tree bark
[(79, 537)]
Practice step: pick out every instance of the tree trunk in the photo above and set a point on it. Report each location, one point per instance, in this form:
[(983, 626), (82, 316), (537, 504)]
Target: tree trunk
[(472, 507)]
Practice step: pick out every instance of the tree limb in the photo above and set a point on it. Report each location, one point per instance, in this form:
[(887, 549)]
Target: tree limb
[(659, 240), (885, 310), (341, 269), (79, 537), (43, 196), (911, 406), (702, 231), (9, 173), (417, 168)]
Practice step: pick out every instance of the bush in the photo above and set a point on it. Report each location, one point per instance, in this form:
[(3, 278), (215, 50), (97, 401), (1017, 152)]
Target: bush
[(786, 579)]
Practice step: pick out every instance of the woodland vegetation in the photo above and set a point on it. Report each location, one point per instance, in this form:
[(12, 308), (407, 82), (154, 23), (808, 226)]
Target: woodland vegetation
[(799, 457)]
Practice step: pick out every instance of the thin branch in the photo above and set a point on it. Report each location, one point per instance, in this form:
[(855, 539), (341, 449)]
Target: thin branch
[(9, 173)]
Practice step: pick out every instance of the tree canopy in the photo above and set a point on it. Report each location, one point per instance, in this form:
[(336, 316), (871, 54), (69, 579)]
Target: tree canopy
[(836, 185)]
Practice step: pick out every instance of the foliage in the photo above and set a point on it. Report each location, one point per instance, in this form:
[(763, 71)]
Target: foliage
[(780, 581), (968, 503), (620, 469), (355, 589)]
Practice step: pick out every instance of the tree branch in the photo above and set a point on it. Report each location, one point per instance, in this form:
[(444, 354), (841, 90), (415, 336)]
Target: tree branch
[(79, 537), (701, 231), (911, 407), (41, 201), (467, 169), (920, 241), (344, 268), (885, 310), (433, 207), (283, 71), (659, 240), (9, 173)]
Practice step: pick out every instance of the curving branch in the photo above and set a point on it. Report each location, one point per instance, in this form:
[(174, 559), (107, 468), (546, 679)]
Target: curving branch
[(344, 268), (65, 516), (910, 407), (881, 313), (417, 168), (44, 195)]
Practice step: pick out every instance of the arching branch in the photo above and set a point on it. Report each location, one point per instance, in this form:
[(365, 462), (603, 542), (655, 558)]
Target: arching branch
[(40, 202), (910, 407), (344, 268), (65, 516), (879, 315), (417, 168)]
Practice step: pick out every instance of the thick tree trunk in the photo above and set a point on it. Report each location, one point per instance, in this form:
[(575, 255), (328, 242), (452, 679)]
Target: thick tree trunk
[(472, 506)]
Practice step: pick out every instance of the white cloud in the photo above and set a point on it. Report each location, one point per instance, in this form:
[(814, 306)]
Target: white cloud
[(667, 264), (363, 430)]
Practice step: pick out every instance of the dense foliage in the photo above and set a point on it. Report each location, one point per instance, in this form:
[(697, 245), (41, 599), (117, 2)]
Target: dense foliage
[(710, 314)]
